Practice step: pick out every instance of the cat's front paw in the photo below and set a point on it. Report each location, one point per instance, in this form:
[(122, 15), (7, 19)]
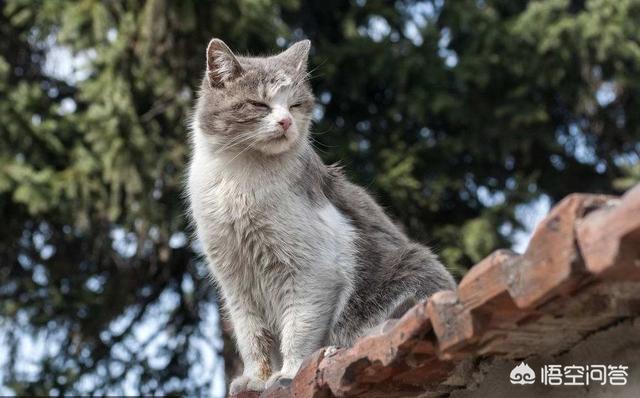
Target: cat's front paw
[(245, 383), (281, 378)]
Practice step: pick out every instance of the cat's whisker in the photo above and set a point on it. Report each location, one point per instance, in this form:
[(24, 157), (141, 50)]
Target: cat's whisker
[(241, 152), (318, 133), (235, 142), (324, 145), (313, 144), (309, 74)]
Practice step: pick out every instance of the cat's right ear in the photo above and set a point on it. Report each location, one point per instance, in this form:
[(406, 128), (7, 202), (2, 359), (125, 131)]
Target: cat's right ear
[(222, 65)]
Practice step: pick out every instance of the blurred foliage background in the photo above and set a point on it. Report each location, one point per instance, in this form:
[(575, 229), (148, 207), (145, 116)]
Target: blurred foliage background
[(460, 116)]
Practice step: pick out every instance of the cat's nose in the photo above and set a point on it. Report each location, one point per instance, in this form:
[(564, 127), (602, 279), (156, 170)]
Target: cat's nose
[(285, 122)]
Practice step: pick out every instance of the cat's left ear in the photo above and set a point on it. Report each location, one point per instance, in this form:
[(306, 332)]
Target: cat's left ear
[(297, 55)]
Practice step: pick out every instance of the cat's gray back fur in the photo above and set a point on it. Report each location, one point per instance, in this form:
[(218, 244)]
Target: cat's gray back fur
[(391, 272), (302, 257)]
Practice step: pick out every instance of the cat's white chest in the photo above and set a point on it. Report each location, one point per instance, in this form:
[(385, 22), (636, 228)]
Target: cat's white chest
[(263, 239), (267, 224)]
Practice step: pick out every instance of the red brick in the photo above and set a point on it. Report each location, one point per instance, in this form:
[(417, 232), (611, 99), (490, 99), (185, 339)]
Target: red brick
[(551, 264), (609, 238), (307, 382)]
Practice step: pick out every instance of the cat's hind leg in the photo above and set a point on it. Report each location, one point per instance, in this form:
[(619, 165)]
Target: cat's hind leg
[(410, 274)]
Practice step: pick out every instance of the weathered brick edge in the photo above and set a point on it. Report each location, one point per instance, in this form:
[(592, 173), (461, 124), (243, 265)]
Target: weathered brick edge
[(580, 273)]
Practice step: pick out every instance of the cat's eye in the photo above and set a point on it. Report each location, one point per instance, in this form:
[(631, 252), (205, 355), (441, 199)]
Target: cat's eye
[(258, 104), (296, 105)]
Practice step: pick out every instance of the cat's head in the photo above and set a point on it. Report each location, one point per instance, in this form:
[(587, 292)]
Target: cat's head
[(259, 104)]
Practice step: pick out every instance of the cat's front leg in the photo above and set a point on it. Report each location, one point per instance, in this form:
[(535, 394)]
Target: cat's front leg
[(304, 329), (254, 343)]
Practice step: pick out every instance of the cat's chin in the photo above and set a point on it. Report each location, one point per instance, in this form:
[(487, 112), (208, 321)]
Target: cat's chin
[(278, 145)]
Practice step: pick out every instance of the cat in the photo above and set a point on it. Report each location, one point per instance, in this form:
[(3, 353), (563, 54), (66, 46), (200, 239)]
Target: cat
[(302, 257)]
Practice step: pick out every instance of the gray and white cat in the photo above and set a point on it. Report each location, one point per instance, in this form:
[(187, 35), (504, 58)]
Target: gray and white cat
[(302, 257)]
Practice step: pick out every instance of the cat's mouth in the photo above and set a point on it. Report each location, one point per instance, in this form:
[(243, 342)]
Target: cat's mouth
[(277, 137), (278, 142)]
